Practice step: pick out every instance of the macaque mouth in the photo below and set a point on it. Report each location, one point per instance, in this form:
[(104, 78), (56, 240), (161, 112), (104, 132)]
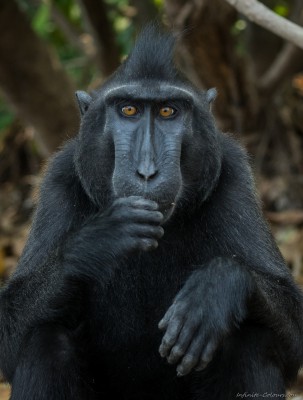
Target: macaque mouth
[(166, 205)]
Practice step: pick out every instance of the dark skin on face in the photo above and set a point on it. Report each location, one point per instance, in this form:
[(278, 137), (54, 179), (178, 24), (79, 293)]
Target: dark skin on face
[(148, 133), (144, 133)]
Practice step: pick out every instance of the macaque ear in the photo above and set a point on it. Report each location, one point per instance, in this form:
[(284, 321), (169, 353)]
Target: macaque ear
[(84, 100), (211, 94)]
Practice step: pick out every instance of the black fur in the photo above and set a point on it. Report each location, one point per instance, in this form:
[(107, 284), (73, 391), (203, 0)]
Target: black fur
[(79, 317)]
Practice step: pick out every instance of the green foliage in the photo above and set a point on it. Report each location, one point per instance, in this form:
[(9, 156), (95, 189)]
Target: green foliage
[(122, 24), (158, 4), (71, 9), (282, 8), (6, 117), (238, 31), (41, 22)]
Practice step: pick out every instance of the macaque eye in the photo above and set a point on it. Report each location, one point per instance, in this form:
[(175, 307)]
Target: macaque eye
[(167, 112), (129, 111)]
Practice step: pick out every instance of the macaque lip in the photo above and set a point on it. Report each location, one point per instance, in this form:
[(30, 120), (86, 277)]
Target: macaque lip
[(167, 210)]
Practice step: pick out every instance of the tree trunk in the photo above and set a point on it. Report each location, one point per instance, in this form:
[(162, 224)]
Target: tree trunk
[(33, 80)]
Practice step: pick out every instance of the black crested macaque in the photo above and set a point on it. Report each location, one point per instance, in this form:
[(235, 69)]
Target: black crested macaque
[(149, 272)]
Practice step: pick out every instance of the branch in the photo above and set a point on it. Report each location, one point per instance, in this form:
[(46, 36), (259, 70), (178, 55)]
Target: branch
[(261, 15), (286, 63)]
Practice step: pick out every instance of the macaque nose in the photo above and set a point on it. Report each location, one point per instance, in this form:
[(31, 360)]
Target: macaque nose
[(147, 173)]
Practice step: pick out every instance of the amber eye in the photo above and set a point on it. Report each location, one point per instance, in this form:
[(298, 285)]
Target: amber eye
[(167, 112), (129, 111)]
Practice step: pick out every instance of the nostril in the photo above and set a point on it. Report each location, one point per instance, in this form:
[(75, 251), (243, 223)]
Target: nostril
[(147, 175)]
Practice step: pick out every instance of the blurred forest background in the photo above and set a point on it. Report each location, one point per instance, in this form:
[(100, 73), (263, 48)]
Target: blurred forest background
[(50, 48)]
